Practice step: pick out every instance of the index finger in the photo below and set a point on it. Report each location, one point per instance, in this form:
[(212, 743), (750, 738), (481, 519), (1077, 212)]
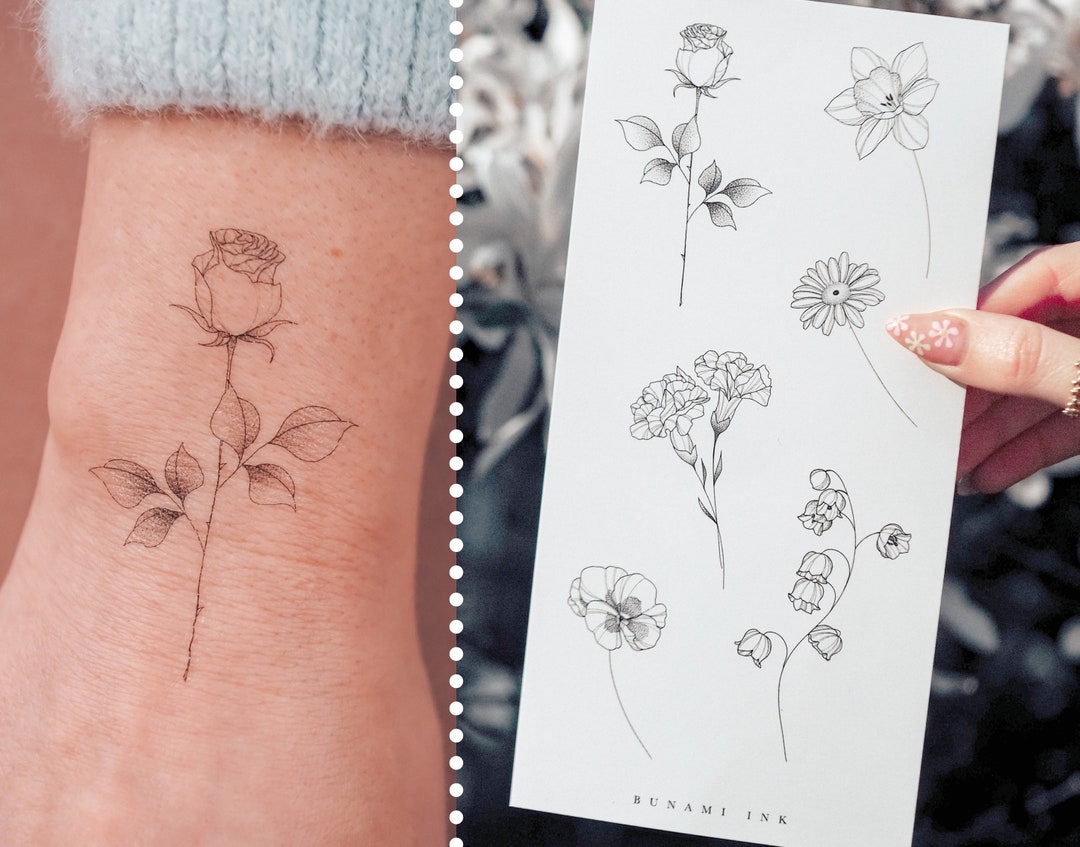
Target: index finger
[(1040, 286)]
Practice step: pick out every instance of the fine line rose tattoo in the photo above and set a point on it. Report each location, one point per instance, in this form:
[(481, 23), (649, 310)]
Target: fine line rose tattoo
[(701, 65), (237, 300)]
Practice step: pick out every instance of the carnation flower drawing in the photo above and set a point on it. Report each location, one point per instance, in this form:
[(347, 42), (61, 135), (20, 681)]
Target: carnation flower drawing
[(701, 66), (237, 301), (619, 608), (670, 405), (821, 580), (835, 292), (888, 99)]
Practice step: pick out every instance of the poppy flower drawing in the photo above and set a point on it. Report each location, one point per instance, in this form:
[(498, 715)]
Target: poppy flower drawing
[(836, 292), (888, 99), (618, 608), (822, 579)]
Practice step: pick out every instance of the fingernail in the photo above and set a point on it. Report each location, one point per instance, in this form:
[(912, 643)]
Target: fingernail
[(964, 487), (937, 336)]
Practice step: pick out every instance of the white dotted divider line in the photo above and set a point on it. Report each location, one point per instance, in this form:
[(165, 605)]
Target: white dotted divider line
[(456, 463)]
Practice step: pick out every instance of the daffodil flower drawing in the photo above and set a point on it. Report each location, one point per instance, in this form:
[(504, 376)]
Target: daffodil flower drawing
[(670, 405), (701, 66), (821, 580), (237, 301), (619, 608), (836, 292), (889, 98)]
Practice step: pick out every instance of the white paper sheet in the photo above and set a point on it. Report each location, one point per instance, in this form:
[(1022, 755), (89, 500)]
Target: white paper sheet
[(643, 701)]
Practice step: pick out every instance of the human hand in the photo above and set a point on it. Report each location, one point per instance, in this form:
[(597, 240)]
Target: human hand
[(1019, 355)]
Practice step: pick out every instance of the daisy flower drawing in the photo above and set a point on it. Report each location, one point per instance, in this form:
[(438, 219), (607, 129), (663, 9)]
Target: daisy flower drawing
[(836, 292), (888, 99)]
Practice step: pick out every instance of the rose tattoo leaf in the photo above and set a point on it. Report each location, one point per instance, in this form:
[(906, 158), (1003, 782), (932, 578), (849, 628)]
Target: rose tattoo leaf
[(152, 526), (311, 433), (641, 132), (128, 483), (720, 214), (183, 474), (270, 485), (745, 192), (686, 138), (710, 178), (235, 421), (658, 171)]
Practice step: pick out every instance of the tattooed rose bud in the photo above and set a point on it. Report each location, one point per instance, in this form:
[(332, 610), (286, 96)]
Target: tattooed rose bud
[(892, 541), (234, 283), (703, 61), (754, 644)]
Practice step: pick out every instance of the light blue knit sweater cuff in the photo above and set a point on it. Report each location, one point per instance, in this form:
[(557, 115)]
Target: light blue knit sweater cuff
[(361, 65)]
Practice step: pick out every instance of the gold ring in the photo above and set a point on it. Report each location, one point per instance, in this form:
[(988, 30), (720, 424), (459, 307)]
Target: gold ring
[(1072, 409)]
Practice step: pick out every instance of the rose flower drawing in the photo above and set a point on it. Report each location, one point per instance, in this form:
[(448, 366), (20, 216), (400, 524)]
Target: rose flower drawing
[(670, 405), (836, 292), (821, 580), (237, 300), (701, 66), (888, 99), (618, 608)]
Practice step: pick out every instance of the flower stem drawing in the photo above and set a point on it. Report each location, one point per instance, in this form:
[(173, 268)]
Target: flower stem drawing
[(836, 292), (832, 504), (618, 608), (237, 301), (700, 65), (889, 98), (670, 405)]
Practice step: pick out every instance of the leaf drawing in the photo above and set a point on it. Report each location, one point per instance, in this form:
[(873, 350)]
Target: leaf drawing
[(152, 526), (237, 300), (183, 474), (234, 422), (701, 66), (641, 132), (128, 483), (311, 433), (271, 485)]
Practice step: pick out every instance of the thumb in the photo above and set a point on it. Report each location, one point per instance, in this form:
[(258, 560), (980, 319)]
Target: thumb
[(997, 353)]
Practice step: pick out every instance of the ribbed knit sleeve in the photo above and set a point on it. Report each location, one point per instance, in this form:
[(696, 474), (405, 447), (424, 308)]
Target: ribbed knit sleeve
[(361, 65)]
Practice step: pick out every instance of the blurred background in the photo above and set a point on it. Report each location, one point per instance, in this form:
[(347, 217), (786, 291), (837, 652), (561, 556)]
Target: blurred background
[(1001, 764)]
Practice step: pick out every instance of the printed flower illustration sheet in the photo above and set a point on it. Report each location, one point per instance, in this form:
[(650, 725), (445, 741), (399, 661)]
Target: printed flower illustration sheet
[(750, 472)]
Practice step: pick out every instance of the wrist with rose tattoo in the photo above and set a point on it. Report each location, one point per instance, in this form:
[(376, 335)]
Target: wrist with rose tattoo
[(308, 332)]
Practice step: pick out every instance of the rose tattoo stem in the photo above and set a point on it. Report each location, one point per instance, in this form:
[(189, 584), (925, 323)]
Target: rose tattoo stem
[(855, 335), (611, 671), (230, 352), (689, 185)]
